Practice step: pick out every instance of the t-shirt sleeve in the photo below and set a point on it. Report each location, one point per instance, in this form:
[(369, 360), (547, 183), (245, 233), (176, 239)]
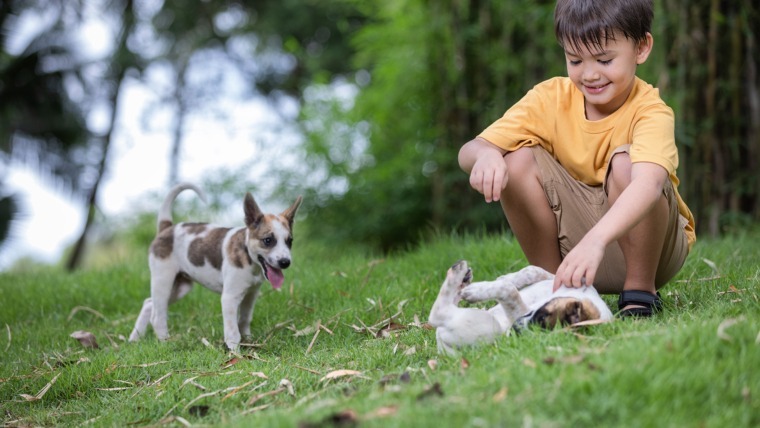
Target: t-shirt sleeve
[(522, 125), (653, 138)]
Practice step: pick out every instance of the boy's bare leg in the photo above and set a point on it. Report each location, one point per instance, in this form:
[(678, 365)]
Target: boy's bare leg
[(643, 244), (528, 212)]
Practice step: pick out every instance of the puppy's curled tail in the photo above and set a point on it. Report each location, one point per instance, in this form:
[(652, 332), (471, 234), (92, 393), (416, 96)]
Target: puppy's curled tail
[(164, 219)]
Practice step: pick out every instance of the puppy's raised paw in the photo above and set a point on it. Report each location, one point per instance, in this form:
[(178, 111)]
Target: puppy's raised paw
[(477, 292), (458, 276), (490, 290)]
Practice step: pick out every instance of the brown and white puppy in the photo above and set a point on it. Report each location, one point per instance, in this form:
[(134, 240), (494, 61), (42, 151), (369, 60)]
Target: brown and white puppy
[(525, 297), (233, 262)]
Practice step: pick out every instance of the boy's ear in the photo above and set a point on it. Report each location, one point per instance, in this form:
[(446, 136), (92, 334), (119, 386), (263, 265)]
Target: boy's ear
[(644, 48)]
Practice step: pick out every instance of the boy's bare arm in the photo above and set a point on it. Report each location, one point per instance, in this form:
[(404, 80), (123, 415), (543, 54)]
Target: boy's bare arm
[(579, 266), (485, 164)]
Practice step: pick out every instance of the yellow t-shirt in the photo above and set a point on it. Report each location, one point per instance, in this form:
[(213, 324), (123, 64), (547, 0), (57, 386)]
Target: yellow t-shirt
[(552, 114)]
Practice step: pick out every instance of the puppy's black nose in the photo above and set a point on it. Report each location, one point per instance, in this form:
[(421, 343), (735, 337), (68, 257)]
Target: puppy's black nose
[(284, 263)]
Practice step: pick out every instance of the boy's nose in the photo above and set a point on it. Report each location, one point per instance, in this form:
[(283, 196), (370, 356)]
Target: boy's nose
[(590, 74)]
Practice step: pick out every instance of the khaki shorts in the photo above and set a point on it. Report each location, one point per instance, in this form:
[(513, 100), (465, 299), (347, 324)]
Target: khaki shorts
[(578, 207)]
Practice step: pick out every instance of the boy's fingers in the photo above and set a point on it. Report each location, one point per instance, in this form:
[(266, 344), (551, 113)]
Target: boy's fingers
[(578, 278), (497, 187), (488, 187), (559, 277), (589, 278)]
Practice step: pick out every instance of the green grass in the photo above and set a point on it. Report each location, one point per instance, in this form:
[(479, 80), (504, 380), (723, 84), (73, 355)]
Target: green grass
[(672, 371)]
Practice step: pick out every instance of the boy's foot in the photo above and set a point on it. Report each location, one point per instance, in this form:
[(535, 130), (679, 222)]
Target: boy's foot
[(636, 303)]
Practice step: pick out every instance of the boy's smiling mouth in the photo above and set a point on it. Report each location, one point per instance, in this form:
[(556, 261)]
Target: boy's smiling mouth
[(595, 89)]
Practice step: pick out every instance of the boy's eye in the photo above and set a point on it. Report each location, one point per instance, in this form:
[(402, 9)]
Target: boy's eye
[(575, 61), (605, 62)]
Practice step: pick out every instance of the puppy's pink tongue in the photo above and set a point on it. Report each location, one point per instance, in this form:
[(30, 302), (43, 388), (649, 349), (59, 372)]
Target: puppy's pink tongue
[(275, 276)]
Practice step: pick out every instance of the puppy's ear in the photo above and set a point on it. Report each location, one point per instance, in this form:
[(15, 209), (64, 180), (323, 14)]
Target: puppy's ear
[(290, 213), (252, 211)]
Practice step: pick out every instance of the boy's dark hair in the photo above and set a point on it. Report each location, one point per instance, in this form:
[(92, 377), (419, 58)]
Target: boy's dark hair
[(590, 23)]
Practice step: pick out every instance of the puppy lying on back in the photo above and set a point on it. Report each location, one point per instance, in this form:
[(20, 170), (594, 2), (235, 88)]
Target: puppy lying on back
[(524, 297)]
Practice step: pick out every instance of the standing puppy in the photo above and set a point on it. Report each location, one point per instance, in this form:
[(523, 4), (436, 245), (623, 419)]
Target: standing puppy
[(230, 261)]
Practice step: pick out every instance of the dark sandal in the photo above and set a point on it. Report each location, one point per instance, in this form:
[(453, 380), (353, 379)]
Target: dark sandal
[(646, 302)]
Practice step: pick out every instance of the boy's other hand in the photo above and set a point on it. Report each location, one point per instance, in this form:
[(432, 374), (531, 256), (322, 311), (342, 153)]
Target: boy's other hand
[(486, 166), (489, 176)]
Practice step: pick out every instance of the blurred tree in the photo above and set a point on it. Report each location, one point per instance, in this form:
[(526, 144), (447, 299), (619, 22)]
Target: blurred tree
[(120, 62), (279, 47), (709, 75), (41, 124)]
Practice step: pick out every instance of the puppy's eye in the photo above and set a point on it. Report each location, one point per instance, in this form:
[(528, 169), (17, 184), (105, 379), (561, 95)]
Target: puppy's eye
[(289, 242), (268, 241)]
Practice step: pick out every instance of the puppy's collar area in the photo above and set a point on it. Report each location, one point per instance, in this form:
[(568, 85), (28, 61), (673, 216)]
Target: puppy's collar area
[(522, 323)]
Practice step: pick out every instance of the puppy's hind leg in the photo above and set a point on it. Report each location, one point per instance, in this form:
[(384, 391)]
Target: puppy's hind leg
[(141, 325), (503, 291), (512, 303), (161, 291), (526, 276)]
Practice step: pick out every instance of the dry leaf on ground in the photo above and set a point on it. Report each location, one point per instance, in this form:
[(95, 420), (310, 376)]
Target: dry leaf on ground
[(382, 412), (42, 392), (85, 308), (501, 395), (433, 364), (586, 324), (339, 419), (86, 338), (464, 364), (722, 335), (336, 374), (433, 390)]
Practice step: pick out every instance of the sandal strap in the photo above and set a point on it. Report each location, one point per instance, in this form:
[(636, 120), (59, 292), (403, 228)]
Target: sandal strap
[(641, 298)]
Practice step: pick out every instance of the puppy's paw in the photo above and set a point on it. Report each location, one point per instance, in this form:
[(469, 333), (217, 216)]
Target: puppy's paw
[(477, 292), (458, 276)]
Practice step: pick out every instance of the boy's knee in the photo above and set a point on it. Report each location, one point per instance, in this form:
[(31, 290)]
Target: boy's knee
[(521, 163)]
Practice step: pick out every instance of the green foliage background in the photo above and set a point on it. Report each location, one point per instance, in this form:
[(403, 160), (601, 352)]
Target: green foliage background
[(443, 71), (386, 92)]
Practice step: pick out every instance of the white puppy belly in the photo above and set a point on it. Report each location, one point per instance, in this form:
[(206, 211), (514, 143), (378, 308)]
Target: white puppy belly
[(469, 326), (538, 293)]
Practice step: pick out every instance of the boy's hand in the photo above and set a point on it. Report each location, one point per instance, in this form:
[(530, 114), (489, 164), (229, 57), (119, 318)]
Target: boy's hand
[(489, 175), (486, 166), (578, 269)]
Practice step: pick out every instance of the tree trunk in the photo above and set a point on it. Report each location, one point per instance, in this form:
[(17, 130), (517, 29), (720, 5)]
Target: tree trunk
[(119, 69)]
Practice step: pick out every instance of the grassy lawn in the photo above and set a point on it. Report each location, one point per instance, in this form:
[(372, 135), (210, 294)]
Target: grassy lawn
[(345, 342)]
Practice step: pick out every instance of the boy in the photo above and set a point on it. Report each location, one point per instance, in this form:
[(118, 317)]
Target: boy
[(584, 165)]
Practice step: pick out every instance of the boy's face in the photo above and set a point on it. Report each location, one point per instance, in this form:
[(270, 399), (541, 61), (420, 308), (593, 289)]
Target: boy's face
[(606, 76)]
